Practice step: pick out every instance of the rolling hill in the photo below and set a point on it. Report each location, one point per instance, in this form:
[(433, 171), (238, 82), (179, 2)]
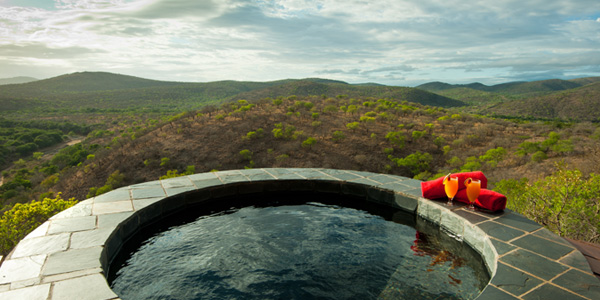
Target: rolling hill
[(99, 90), (17, 80), (580, 104)]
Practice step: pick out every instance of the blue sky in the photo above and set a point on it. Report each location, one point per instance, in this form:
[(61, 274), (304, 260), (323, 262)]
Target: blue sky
[(395, 42)]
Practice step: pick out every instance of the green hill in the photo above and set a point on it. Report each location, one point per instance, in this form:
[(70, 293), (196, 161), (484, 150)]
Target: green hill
[(581, 104), (17, 80), (99, 90)]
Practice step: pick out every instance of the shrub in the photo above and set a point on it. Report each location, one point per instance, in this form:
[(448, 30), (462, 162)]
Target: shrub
[(309, 142), (538, 156), (566, 202), (20, 220), (338, 136)]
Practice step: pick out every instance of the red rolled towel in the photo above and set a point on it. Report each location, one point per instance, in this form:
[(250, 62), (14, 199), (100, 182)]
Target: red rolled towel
[(434, 189), (487, 199)]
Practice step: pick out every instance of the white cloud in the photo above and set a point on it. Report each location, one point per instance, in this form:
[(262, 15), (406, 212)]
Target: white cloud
[(351, 40)]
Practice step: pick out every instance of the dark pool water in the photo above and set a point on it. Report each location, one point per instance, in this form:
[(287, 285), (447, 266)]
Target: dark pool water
[(304, 251)]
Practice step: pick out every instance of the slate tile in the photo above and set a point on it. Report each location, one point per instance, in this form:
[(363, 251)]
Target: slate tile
[(145, 193), (499, 231), (502, 247), (72, 260), (42, 245), (581, 283), (72, 224), (95, 285), (518, 221), (533, 263), (121, 194), (551, 292), (514, 281), (493, 293), (37, 292), (21, 268), (542, 246)]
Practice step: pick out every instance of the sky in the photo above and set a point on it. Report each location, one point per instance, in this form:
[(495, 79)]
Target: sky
[(395, 42)]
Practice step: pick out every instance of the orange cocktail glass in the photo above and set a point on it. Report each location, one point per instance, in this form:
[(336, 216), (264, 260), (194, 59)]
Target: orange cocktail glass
[(451, 187), (473, 190)]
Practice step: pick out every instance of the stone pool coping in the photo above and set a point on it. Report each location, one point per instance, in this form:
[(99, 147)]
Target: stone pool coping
[(65, 257)]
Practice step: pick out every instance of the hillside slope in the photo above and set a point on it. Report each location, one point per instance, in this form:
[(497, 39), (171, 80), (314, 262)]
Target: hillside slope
[(98, 90), (17, 80), (582, 104)]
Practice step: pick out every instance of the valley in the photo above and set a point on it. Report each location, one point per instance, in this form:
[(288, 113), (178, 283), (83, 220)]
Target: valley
[(135, 130)]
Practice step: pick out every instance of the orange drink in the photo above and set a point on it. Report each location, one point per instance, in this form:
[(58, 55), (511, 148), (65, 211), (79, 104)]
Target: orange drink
[(473, 189), (451, 187)]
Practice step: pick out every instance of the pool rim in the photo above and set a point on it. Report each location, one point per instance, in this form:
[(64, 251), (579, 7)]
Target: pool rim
[(54, 261)]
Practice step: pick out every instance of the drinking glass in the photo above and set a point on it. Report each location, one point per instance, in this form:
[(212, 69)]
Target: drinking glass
[(473, 189), (451, 187)]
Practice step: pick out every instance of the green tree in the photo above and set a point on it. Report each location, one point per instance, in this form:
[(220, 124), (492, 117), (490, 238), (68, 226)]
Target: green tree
[(309, 142), (417, 162), (21, 219), (567, 202)]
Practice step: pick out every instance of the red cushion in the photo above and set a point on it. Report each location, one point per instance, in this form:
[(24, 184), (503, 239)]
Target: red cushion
[(434, 189), (487, 199)]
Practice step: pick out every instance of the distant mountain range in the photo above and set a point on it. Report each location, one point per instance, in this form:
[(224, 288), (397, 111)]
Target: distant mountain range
[(17, 80), (576, 99), (101, 90)]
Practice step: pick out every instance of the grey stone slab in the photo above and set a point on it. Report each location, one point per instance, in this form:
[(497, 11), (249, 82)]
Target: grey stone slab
[(90, 238), (39, 231), (341, 175), (363, 174), (429, 210), (576, 260), (146, 185), (514, 281), (179, 190), (177, 182), (471, 217), (121, 194), (24, 283), (81, 209), (547, 234), (396, 187), (364, 181), (518, 221), (383, 179), (112, 207), (96, 288), (551, 292), (206, 183), (416, 184), (260, 176), (153, 192), (232, 177), (405, 202), (542, 246), (21, 268), (113, 220), (72, 260), (502, 247), (37, 292), (414, 192), (42, 245), (202, 176), (72, 224), (533, 263), (63, 276), (490, 255), (581, 283), (499, 231), (452, 222), (493, 293), (475, 237), (142, 203), (314, 174)]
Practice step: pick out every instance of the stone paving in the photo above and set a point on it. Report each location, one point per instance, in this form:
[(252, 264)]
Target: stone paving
[(66, 257)]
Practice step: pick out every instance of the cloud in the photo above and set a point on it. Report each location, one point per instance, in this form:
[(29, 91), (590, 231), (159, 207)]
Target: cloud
[(351, 40)]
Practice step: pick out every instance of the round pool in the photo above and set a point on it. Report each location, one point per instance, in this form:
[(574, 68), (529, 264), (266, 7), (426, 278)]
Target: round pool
[(296, 246)]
